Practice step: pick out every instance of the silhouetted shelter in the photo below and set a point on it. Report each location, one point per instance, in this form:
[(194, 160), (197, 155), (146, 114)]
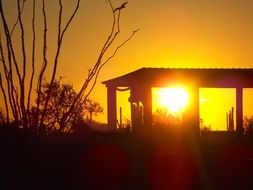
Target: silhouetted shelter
[(141, 81)]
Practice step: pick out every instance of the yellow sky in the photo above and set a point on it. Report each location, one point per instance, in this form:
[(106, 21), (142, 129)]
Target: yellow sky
[(173, 33), (189, 33)]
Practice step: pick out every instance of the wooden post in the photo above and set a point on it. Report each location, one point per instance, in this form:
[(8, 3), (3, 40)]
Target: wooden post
[(147, 107), (120, 117), (111, 108), (191, 116), (195, 107), (239, 110)]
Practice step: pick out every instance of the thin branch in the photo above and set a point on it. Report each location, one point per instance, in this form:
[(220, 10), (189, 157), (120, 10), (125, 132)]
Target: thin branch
[(113, 36), (7, 43), (8, 81), (112, 28), (17, 20), (22, 38), (108, 59), (22, 86), (97, 67), (11, 57), (61, 35), (33, 58), (55, 62), (59, 42), (10, 48), (5, 100), (123, 5), (71, 18), (19, 113), (44, 65), (116, 18), (59, 22)]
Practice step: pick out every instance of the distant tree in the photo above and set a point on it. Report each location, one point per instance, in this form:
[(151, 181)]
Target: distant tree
[(92, 108), (162, 117), (61, 98), (247, 123), (204, 127), (2, 117), (23, 69)]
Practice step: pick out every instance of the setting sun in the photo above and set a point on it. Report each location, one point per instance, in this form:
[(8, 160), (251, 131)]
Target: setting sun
[(174, 99)]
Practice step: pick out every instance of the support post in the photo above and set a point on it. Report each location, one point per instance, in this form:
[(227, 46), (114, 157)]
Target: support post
[(191, 117), (111, 108), (196, 112), (239, 110), (120, 118), (147, 107)]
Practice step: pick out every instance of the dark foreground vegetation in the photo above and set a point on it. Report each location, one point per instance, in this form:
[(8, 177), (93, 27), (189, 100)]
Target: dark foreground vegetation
[(93, 160)]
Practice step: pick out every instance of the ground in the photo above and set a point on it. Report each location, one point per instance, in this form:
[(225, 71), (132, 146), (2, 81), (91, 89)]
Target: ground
[(93, 160)]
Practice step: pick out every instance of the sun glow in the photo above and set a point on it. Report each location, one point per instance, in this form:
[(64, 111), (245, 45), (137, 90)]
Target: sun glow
[(174, 99)]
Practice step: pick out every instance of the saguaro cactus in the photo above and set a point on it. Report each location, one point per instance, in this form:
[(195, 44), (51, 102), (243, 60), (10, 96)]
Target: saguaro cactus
[(230, 120)]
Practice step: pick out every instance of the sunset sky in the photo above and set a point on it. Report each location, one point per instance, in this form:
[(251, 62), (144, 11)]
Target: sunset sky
[(173, 33), (187, 33)]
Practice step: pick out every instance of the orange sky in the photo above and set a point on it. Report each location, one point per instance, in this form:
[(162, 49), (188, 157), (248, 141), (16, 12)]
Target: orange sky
[(188, 33), (173, 33)]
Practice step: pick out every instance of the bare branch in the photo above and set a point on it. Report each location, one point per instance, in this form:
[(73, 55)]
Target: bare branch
[(17, 20), (59, 22), (22, 38), (33, 58), (59, 42), (107, 44), (18, 109), (112, 28), (11, 59), (11, 54), (61, 35), (112, 37), (108, 59), (71, 18), (8, 81), (22, 86), (45, 61), (94, 72), (3, 60), (12, 79), (5, 100), (44, 65), (121, 7), (116, 18)]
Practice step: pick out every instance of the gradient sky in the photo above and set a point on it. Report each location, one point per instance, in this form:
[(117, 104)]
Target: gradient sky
[(186, 33), (173, 33)]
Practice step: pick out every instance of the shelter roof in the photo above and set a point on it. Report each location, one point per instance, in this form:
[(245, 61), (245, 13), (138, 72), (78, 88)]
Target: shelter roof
[(201, 77)]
